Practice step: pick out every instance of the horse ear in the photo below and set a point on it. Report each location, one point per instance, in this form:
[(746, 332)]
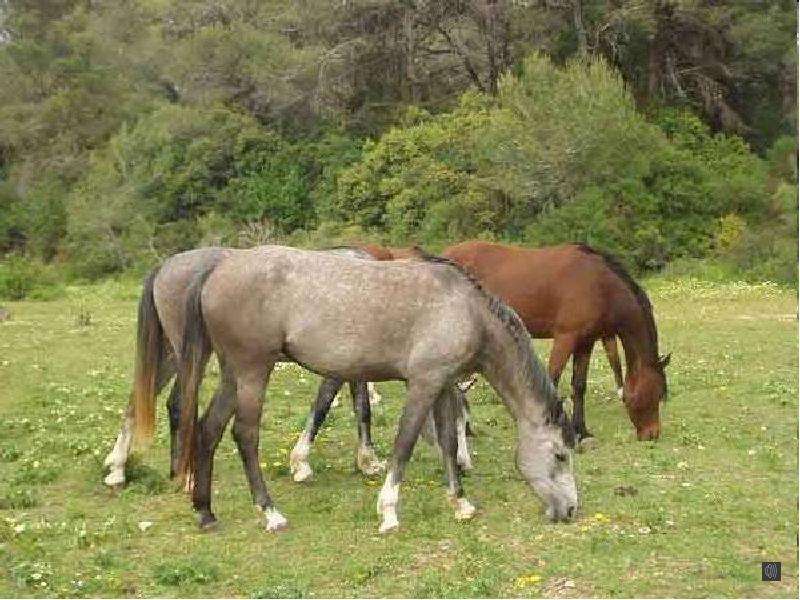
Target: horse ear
[(664, 360), (465, 386)]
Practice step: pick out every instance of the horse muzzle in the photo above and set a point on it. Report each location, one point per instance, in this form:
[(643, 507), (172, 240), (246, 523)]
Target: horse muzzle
[(650, 432)]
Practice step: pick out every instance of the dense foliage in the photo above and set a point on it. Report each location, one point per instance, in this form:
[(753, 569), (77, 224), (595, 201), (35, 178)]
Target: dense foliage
[(662, 131)]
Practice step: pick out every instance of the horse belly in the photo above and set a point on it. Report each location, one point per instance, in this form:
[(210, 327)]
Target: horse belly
[(346, 349), (341, 363)]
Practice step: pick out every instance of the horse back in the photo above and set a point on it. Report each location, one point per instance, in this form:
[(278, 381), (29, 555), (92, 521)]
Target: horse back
[(554, 290), (331, 313)]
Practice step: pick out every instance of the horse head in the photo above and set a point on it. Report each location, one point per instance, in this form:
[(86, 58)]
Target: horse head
[(644, 390)]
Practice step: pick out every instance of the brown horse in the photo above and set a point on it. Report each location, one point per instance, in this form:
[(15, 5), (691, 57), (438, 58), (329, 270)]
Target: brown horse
[(576, 295)]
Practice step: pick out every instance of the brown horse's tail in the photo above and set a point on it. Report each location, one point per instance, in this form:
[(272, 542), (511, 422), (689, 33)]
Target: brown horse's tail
[(149, 355), (194, 353)]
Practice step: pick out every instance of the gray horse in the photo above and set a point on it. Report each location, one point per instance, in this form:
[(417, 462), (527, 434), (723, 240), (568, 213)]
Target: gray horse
[(160, 326), (423, 322)]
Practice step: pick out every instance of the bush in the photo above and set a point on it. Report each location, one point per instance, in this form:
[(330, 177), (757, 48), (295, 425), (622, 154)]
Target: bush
[(153, 190), (560, 155), (34, 223), (12, 236), (764, 251), (22, 278)]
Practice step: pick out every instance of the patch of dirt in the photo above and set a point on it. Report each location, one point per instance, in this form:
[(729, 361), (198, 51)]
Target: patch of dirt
[(440, 555), (563, 587)]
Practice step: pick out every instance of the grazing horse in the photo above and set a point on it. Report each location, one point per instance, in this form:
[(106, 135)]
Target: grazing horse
[(575, 295), (422, 322), (160, 325)]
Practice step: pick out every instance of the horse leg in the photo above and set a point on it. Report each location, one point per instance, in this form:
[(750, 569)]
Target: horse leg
[(298, 458), (174, 410), (580, 366), (461, 419), (418, 405), (563, 347), (374, 396), (445, 412), (118, 457), (366, 459), (610, 345), (210, 430), (250, 390)]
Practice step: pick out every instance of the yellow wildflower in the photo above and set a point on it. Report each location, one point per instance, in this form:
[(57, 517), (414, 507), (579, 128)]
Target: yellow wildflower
[(528, 580)]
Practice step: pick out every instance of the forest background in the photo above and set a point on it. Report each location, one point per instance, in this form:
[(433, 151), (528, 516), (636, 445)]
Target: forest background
[(663, 131)]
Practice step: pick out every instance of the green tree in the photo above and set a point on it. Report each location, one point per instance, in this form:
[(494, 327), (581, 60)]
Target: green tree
[(143, 194)]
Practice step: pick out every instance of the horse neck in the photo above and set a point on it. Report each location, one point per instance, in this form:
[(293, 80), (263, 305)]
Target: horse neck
[(640, 350), (513, 372)]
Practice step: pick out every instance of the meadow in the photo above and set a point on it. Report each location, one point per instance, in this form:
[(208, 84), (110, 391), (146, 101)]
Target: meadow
[(690, 515)]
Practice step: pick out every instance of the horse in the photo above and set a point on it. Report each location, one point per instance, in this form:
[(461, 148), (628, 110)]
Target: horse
[(159, 326), (423, 322), (576, 294)]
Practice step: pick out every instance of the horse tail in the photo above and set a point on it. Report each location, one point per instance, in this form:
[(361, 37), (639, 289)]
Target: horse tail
[(194, 353), (149, 355)]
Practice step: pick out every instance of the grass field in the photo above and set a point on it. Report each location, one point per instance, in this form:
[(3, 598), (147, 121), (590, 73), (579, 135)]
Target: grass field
[(693, 514)]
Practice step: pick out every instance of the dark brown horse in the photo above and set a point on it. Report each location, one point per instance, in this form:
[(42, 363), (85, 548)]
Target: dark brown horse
[(577, 295)]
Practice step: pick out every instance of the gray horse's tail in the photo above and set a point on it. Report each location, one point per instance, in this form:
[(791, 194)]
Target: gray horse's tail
[(193, 356), (149, 355)]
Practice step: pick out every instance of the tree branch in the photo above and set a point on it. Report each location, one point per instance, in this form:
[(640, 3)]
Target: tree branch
[(464, 58)]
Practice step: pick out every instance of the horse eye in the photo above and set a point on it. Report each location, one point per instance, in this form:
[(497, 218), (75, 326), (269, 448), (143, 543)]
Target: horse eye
[(561, 457)]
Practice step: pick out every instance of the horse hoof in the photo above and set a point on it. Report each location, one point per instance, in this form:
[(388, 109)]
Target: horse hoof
[(302, 473), (464, 510), (389, 525), (587, 443), (275, 521), (208, 522), (465, 464), (115, 480), (279, 528), (620, 393)]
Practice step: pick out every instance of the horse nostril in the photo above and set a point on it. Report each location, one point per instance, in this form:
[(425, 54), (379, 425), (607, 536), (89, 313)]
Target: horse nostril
[(570, 512)]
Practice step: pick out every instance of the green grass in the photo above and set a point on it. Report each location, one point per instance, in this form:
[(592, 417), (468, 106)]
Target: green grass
[(709, 501)]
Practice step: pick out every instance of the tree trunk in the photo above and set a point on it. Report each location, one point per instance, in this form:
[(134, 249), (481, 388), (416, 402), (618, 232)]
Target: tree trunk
[(411, 89), (659, 47), (580, 31)]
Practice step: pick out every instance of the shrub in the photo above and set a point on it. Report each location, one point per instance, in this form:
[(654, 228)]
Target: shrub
[(782, 159), (560, 155), (153, 190), (23, 278), (34, 223)]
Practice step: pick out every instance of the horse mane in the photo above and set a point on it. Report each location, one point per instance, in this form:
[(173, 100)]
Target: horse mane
[(533, 370), (340, 247), (616, 267)]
